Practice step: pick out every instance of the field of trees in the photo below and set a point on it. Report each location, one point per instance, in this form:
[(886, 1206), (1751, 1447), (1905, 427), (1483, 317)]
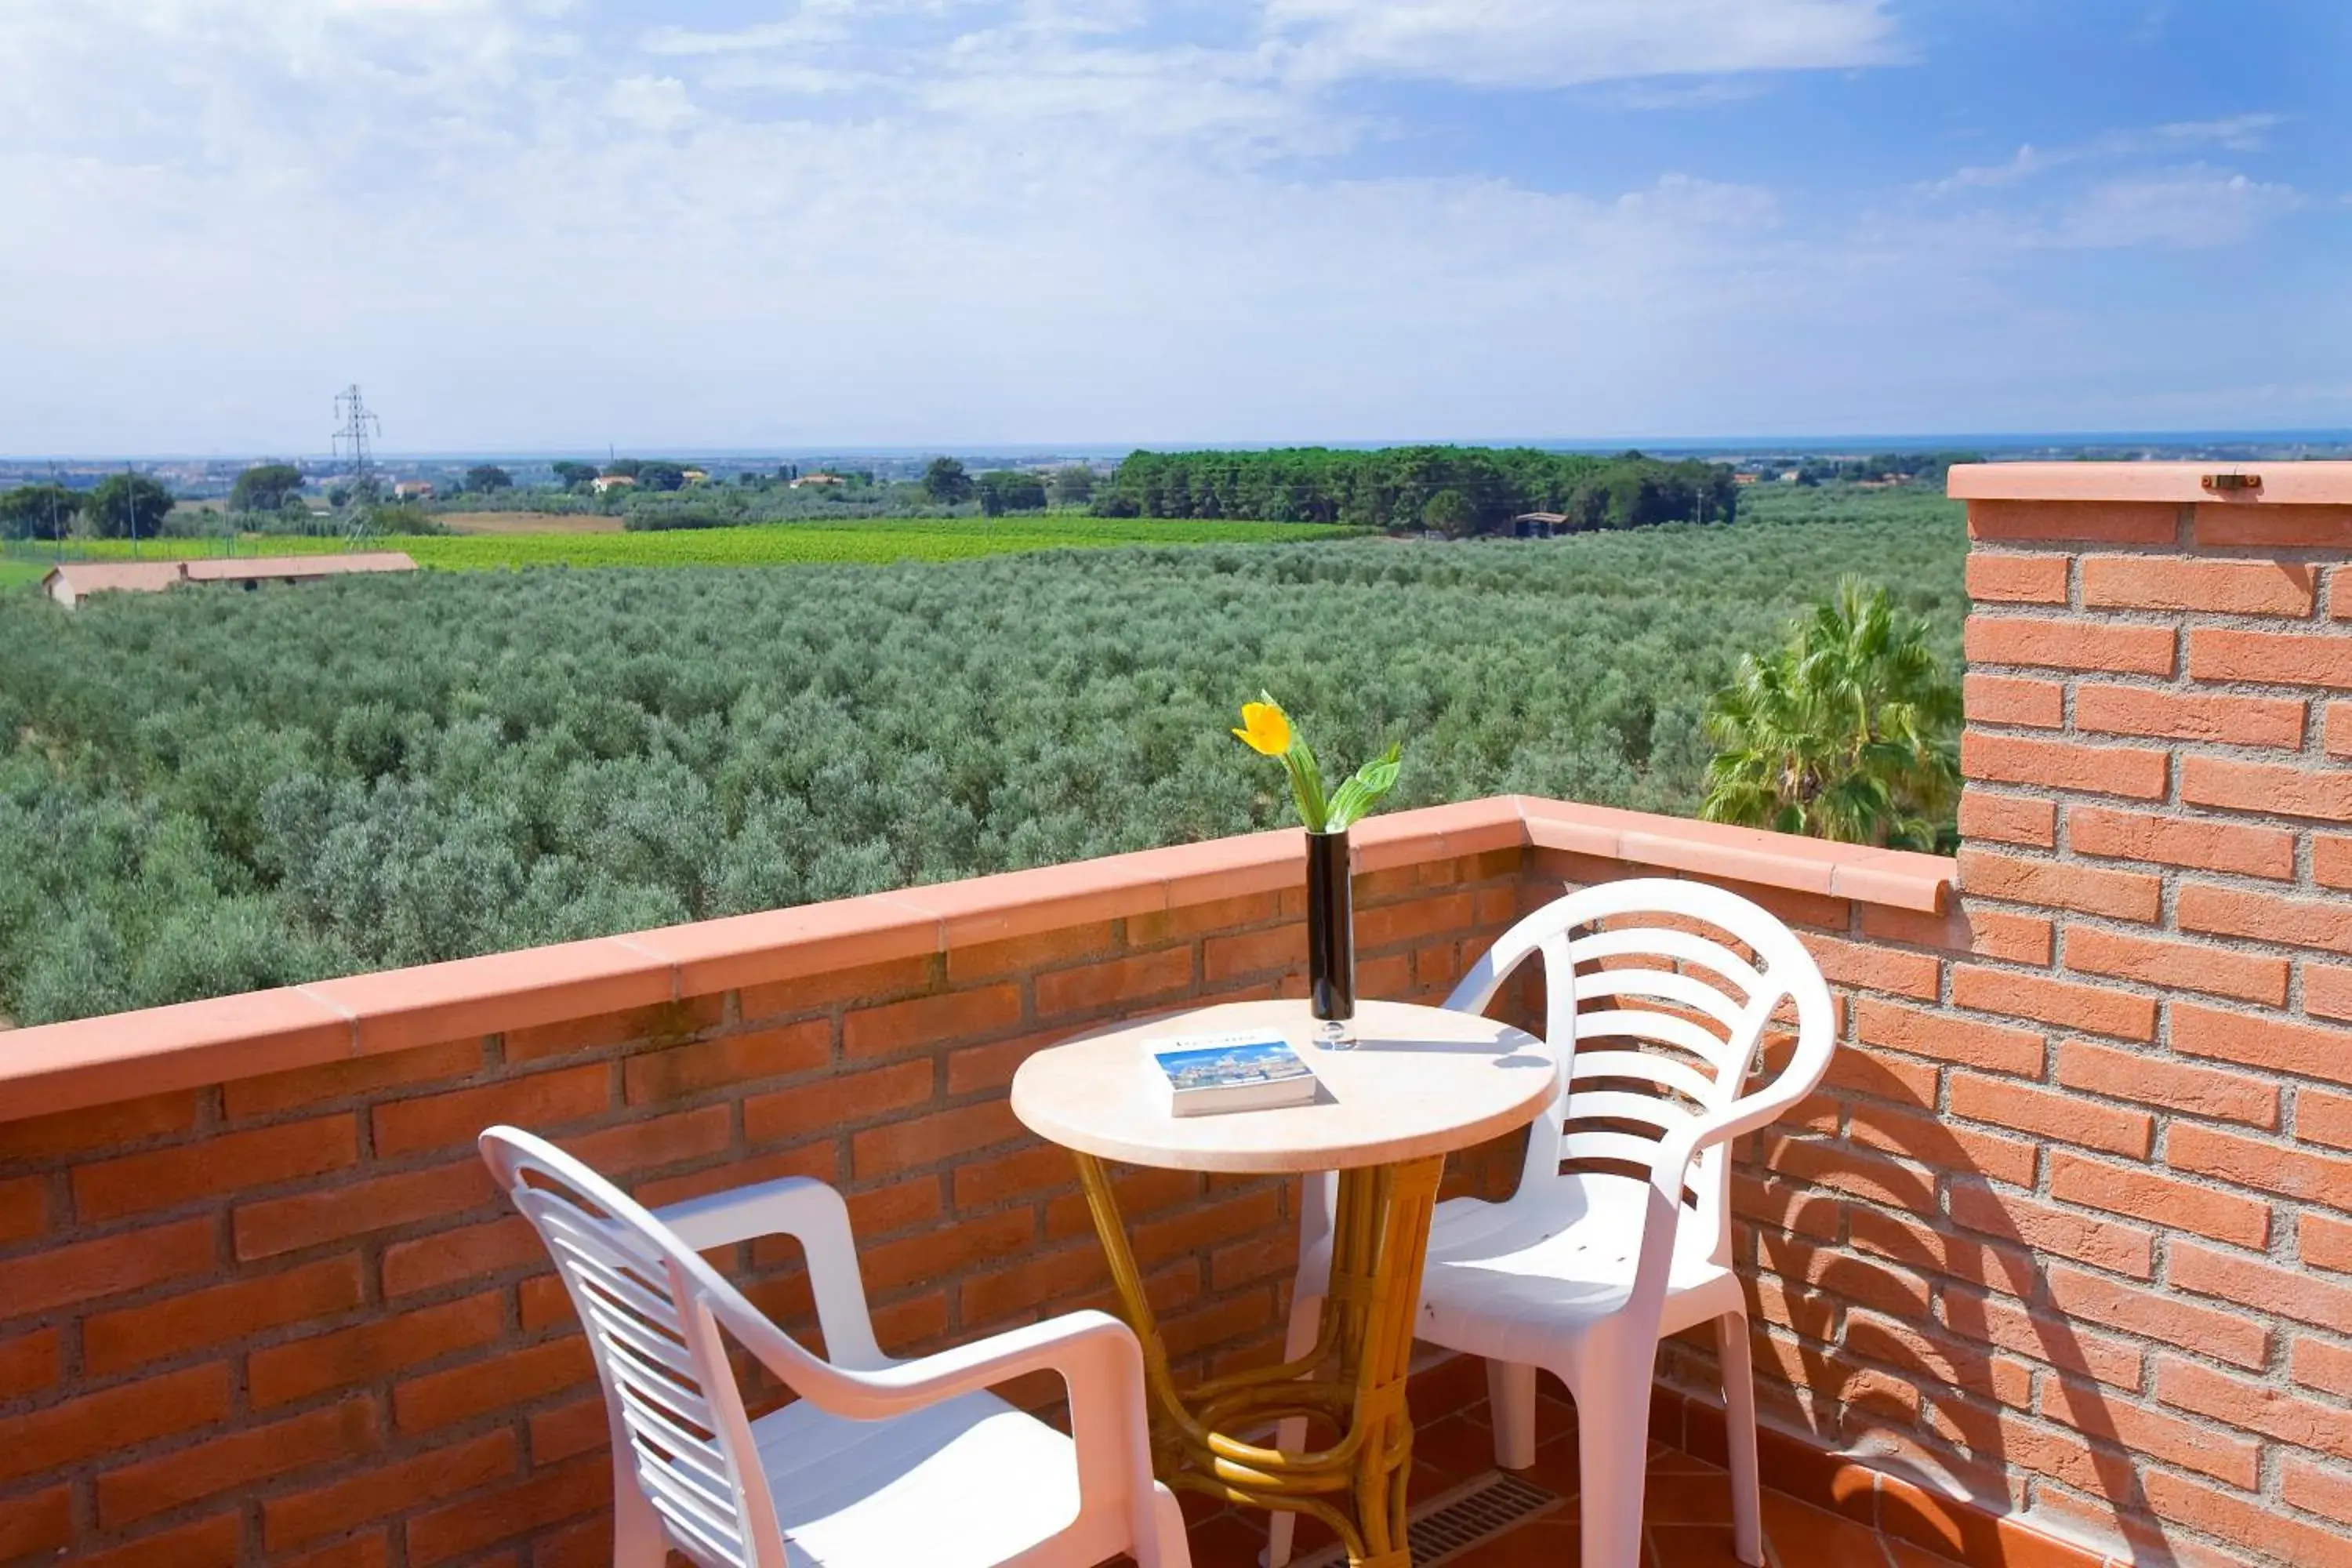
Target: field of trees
[(204, 792), (871, 542)]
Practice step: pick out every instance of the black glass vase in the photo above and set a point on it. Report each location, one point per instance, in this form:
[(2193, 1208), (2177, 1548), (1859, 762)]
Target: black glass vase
[(1331, 938)]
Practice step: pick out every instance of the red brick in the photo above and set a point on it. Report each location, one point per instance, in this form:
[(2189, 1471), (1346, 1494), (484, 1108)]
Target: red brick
[(2321, 1117), (35, 1524), (2018, 579), (2266, 1167), (1117, 983), (150, 1487), (921, 1141), (169, 1329), (24, 1208), (928, 1021), (2247, 1520), (468, 1252), (2327, 991), (2322, 1241), (1038, 1168), (2103, 522), (2272, 788), (2009, 818), (1948, 1038), (1998, 758), (1039, 1279), (2068, 1004), (2124, 895), (2180, 841), (1161, 926), (107, 1127), (2317, 1488), (273, 1225), (1868, 967), (870, 982), (703, 1065), (28, 1362), (938, 1253), (820, 1160), (1205, 1226), (2069, 642), (435, 1476), (2264, 1286), (220, 1163), (2273, 527), (371, 1350), (277, 1092), (1988, 933), (1020, 954), (645, 1142), (86, 1270), (2335, 733), (1923, 1137), (2298, 922), (456, 1118), (569, 1429), (2068, 1119), (2122, 1073), (2312, 1050), (2331, 860), (2013, 699), (2274, 658), (830, 1104), (664, 1022), (2253, 1408), (1225, 958), (2316, 1364), (2189, 715), (439, 1398), (2193, 1446), (206, 1543), (2226, 587), (2178, 965), (545, 1496), (2100, 1242), (115, 1419), (2225, 1335), (2150, 1194)]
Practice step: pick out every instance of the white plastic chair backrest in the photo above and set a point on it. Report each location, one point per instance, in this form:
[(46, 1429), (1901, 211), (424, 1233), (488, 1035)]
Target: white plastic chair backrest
[(652, 1310), (1659, 1026)]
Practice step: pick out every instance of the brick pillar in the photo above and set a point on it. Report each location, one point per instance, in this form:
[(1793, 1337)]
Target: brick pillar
[(2160, 721)]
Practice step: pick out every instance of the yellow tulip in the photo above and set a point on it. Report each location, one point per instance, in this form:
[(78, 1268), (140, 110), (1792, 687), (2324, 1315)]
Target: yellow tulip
[(1264, 728)]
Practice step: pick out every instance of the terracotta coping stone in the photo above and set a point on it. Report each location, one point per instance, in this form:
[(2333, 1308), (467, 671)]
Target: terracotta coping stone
[(2284, 483), (95, 1061)]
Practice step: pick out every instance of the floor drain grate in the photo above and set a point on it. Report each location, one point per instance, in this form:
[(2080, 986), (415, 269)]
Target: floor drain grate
[(1453, 1522)]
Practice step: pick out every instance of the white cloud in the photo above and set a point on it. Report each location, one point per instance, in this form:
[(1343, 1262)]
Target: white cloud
[(2193, 208), (1559, 43)]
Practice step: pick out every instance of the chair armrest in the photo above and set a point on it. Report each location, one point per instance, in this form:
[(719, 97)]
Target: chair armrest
[(813, 1215)]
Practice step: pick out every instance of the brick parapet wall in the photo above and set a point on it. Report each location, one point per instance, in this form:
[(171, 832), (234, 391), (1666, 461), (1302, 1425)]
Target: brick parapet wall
[(286, 1318), (2070, 1228)]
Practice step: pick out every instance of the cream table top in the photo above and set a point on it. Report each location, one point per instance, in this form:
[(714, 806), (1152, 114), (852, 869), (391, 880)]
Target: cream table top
[(1421, 1082)]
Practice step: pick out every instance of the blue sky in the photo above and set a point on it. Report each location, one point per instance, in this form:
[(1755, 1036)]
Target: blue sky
[(552, 223)]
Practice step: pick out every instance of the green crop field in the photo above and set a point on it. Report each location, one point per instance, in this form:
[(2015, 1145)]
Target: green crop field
[(876, 543), (204, 792)]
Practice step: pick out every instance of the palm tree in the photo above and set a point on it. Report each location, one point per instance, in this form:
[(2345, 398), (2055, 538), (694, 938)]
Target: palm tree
[(1844, 732)]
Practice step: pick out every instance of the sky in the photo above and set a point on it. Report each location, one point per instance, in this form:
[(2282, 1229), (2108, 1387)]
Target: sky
[(552, 224)]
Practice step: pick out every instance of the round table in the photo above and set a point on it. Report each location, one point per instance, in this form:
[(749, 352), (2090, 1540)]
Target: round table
[(1422, 1081)]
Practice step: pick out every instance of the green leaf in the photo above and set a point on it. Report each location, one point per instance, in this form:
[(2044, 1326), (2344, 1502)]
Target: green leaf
[(1360, 793)]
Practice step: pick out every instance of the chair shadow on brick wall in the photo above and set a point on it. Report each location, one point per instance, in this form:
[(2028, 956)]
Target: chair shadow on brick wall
[(1904, 1342)]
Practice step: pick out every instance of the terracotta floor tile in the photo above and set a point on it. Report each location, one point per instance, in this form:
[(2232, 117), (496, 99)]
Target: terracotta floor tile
[(1798, 1535), (1687, 1498), (1692, 1546)]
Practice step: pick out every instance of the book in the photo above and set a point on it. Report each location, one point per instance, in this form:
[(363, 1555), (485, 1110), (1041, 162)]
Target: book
[(1208, 1074)]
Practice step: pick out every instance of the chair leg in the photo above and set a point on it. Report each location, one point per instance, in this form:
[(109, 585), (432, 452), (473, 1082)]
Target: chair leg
[(638, 1537), (1174, 1551), (1732, 1354), (1613, 1448), (1305, 1325), (1511, 1402)]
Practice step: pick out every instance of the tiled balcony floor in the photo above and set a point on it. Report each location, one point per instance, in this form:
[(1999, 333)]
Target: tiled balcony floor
[(1687, 1512)]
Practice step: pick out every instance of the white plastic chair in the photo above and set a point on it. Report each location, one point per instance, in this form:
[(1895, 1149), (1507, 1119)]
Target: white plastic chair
[(1619, 1233), (879, 1462)]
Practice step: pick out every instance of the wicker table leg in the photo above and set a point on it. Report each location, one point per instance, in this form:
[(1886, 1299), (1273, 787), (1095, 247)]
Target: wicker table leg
[(1355, 1376)]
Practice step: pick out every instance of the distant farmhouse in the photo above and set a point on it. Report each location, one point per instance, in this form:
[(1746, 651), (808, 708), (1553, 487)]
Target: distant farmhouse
[(818, 479), (603, 482), (71, 582), (413, 490), (695, 476), (1538, 524)]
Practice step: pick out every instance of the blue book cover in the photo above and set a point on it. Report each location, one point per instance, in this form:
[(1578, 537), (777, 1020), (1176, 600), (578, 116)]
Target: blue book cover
[(1234, 1072)]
